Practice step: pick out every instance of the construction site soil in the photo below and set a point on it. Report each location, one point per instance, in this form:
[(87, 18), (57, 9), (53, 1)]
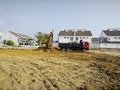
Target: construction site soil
[(56, 70)]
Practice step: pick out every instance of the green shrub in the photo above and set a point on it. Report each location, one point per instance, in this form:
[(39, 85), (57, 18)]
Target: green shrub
[(10, 43)]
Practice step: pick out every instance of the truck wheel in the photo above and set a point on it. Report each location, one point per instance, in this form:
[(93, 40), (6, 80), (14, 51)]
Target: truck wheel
[(84, 50), (69, 50), (63, 49)]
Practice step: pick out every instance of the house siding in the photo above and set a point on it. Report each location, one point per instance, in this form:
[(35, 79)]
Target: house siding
[(113, 38), (70, 35), (9, 36), (110, 45), (109, 41), (18, 39), (66, 39)]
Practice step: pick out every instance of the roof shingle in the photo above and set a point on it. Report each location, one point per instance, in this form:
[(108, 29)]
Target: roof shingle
[(21, 35), (112, 33), (77, 33)]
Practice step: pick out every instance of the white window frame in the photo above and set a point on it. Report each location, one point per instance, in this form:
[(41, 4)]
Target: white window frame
[(115, 37), (71, 38), (76, 38), (64, 37)]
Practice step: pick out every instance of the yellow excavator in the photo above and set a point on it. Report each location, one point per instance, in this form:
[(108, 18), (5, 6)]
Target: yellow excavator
[(47, 43)]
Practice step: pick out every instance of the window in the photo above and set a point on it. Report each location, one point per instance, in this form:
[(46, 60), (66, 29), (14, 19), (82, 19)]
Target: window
[(20, 43), (80, 37), (76, 38), (71, 38), (108, 38), (115, 37), (64, 37), (119, 37), (67, 37), (83, 37), (86, 37)]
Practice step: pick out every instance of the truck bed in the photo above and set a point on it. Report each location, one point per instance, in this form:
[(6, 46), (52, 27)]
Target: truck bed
[(70, 45)]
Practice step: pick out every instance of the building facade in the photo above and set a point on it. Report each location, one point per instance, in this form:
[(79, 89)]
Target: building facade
[(72, 35), (1, 34), (95, 43), (110, 38), (17, 38)]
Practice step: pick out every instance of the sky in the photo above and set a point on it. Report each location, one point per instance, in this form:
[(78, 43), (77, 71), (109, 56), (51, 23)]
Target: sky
[(32, 16)]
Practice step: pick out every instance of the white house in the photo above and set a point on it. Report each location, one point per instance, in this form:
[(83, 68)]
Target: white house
[(73, 35), (0, 38), (110, 38), (17, 38)]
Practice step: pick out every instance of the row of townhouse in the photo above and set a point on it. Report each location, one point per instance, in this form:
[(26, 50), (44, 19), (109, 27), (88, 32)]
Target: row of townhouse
[(17, 38), (73, 35), (109, 38)]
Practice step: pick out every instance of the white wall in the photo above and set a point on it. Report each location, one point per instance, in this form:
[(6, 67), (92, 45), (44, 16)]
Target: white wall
[(93, 45), (9, 36), (87, 39), (0, 38), (109, 45), (61, 39), (55, 44), (102, 34), (112, 38), (66, 39)]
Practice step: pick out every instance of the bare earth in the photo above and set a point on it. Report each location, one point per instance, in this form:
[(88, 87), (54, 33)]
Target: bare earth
[(41, 70)]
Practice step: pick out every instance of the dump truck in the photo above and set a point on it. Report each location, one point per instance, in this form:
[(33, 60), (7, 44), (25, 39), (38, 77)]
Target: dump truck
[(67, 47)]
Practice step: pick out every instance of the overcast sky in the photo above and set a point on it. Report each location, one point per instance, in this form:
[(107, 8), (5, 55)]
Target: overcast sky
[(32, 16)]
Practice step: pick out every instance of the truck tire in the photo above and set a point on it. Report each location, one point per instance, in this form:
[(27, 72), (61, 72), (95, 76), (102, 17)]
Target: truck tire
[(84, 50), (69, 50), (64, 50)]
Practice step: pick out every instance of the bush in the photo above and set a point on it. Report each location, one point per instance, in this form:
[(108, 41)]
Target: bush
[(10, 42)]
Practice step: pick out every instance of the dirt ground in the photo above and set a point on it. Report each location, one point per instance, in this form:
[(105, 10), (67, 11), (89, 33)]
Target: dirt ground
[(45, 70)]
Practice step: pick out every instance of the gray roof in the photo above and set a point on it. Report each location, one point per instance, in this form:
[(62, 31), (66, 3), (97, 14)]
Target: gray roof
[(77, 33), (112, 32), (66, 33), (21, 35)]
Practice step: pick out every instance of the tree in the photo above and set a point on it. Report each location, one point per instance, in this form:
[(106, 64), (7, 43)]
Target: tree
[(4, 42), (10, 42), (41, 36)]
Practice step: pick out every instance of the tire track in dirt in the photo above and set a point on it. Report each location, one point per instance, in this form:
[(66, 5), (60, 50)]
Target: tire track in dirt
[(64, 71), (35, 70)]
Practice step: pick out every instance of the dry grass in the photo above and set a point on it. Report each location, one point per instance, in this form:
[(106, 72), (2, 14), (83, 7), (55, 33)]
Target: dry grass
[(39, 70)]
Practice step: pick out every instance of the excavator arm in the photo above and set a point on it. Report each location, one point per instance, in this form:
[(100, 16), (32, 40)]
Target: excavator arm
[(49, 40)]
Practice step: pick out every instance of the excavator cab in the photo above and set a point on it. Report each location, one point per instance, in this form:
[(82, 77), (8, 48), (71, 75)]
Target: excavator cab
[(48, 42)]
